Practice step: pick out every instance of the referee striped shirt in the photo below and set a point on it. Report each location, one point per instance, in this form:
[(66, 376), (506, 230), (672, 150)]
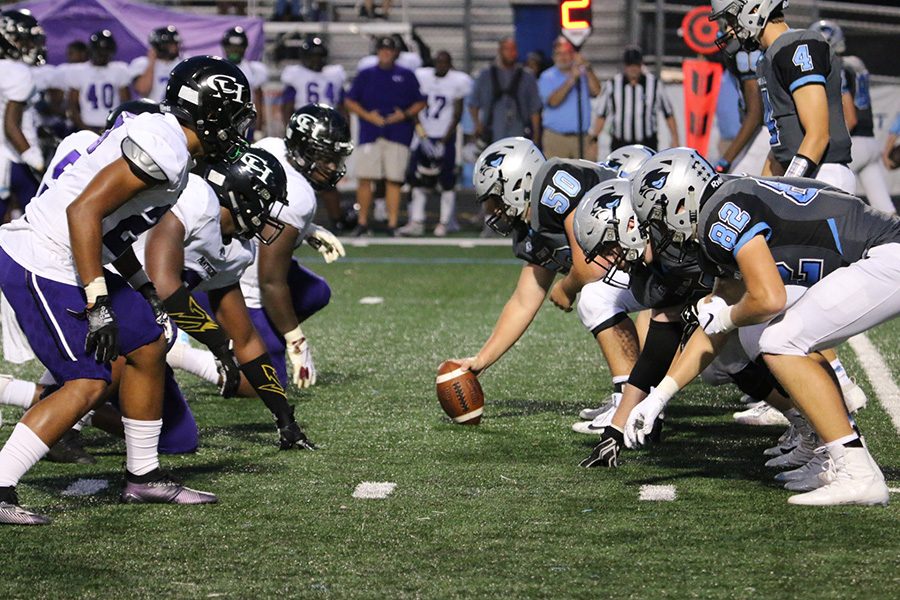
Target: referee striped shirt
[(632, 108)]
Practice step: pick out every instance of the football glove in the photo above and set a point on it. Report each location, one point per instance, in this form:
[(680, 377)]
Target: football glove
[(299, 353), (148, 291), (290, 435), (714, 315), (606, 453), (34, 159), (229, 373), (326, 244), (642, 419), (102, 340)]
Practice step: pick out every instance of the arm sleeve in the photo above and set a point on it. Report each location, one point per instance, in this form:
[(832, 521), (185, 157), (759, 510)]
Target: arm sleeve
[(803, 62)]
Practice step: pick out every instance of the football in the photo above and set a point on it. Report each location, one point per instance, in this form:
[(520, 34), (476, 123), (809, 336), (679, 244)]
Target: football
[(459, 393), (894, 156)]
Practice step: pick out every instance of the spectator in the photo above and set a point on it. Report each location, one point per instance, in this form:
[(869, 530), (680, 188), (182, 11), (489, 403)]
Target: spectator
[(536, 62), (231, 7), (631, 100), (369, 11), (151, 72), (564, 129), (505, 100), (285, 13), (387, 100)]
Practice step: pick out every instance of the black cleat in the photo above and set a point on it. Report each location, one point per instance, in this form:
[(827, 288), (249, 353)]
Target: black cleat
[(69, 449), (291, 436), (606, 453)]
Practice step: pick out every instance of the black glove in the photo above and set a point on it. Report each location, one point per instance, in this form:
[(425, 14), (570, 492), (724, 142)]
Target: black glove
[(148, 291), (290, 434), (229, 373), (606, 453), (102, 339)]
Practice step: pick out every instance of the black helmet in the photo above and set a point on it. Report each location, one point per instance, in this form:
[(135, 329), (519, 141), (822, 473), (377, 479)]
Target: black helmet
[(235, 37), (251, 188), (212, 96), (135, 107), (22, 38), (318, 143), (103, 46), (314, 45), (161, 38)]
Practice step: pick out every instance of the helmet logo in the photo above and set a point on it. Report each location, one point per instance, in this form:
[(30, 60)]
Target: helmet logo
[(257, 166), (494, 160), (226, 86), (659, 183)]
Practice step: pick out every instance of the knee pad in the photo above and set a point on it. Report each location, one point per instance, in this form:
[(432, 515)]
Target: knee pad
[(656, 357)]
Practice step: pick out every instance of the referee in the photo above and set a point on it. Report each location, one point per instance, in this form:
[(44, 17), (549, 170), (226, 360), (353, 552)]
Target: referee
[(630, 100)]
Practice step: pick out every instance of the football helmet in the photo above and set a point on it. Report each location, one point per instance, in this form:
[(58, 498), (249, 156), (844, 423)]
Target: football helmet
[(212, 96), (22, 38), (235, 43), (503, 175), (606, 226), (742, 22), (254, 190), (313, 52), (318, 143), (669, 189), (135, 107), (832, 33), (166, 42), (102, 47), (428, 156), (628, 159)]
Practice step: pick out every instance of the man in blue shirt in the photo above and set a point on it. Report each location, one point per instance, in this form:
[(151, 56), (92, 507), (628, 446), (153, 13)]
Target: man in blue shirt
[(387, 100), (559, 87)]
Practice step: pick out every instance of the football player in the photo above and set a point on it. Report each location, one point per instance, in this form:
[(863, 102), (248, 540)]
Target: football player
[(782, 235), (98, 86), (433, 161), (150, 73), (234, 47), (866, 164), (116, 190), (800, 81)]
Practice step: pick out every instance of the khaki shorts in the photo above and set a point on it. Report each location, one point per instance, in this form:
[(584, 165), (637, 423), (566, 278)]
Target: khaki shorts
[(382, 159)]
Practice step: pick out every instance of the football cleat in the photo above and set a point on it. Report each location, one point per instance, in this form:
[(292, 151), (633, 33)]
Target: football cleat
[(854, 397), (761, 413), (799, 456), (786, 442), (412, 229), (163, 489), (606, 453), (611, 403), (13, 514), (291, 436), (69, 449), (854, 479), (812, 468)]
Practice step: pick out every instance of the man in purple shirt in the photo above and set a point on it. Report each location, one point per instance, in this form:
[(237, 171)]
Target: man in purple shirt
[(387, 99)]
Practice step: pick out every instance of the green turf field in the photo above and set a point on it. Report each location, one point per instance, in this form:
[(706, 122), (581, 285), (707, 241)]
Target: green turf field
[(500, 510)]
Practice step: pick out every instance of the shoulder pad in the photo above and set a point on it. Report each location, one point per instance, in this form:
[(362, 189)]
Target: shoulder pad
[(141, 163)]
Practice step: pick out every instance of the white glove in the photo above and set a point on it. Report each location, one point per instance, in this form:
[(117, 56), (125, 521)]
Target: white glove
[(33, 158), (299, 353), (326, 244), (714, 315), (643, 416)]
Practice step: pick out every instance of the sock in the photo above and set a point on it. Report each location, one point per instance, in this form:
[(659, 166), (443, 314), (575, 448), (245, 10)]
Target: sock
[(848, 441), (615, 433), (197, 362), (838, 369), (16, 392), (85, 420), (141, 440), (448, 207), (22, 451), (619, 382), (417, 201)]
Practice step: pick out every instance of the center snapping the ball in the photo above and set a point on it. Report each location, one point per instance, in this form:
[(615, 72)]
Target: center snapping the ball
[(459, 393)]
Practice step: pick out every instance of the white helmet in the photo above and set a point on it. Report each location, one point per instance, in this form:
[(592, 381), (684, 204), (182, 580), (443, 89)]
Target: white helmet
[(504, 173), (628, 159), (742, 22), (669, 188), (832, 33), (605, 225)]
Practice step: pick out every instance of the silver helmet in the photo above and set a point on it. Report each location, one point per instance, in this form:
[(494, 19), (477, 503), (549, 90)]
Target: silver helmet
[(668, 190), (503, 175), (832, 33), (628, 159), (742, 22)]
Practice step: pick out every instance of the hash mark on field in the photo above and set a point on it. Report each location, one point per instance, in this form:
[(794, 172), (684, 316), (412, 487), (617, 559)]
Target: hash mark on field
[(371, 300), (894, 490), (86, 487), (374, 489), (879, 376), (657, 493)]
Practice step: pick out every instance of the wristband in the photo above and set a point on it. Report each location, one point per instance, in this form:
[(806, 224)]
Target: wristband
[(95, 289), (801, 166), (139, 279), (727, 323), (667, 388), (295, 335), (723, 166)]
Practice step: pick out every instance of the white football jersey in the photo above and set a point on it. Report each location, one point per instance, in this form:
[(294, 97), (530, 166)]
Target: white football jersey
[(313, 86), (16, 84), (68, 151), (161, 70), (442, 92), (299, 213), (98, 89), (40, 242), (256, 72), (407, 60)]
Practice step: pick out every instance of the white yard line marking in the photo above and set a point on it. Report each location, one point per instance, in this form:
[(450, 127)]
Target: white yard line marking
[(362, 242), (657, 493), (86, 487), (371, 300), (374, 489), (879, 376)]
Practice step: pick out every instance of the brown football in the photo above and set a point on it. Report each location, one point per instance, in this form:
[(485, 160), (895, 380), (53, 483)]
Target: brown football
[(459, 393), (895, 157)]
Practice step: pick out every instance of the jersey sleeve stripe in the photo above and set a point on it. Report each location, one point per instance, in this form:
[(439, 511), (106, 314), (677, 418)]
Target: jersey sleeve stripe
[(834, 233), (760, 228), (807, 80)]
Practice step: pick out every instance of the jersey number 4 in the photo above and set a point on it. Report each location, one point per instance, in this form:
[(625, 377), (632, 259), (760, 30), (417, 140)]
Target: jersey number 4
[(802, 58), (559, 198)]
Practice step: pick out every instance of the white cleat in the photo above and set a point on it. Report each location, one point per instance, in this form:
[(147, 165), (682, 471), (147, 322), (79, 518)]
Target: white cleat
[(812, 468), (595, 427), (610, 404), (787, 442), (412, 229), (855, 479), (799, 456), (854, 397), (761, 414)]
